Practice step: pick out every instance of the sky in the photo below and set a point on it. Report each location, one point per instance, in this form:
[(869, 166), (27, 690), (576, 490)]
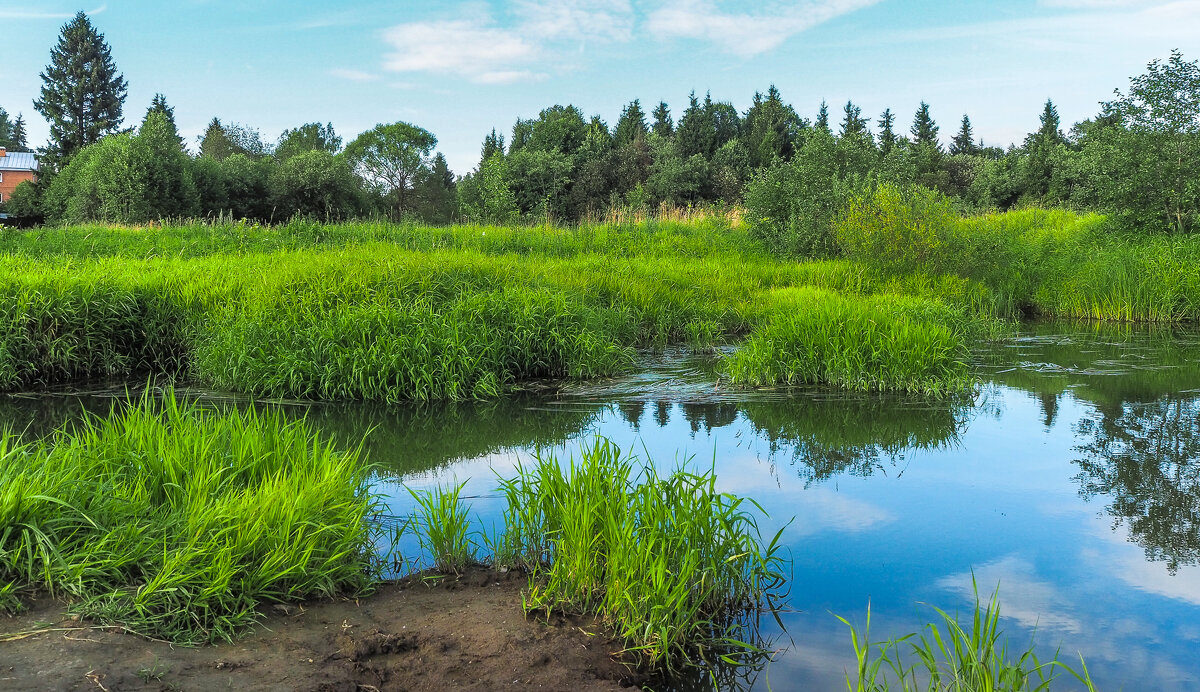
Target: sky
[(458, 69)]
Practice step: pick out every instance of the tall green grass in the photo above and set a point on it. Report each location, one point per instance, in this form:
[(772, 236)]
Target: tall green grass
[(378, 319), (1032, 261), (670, 563), (954, 657), (867, 344), (179, 523)]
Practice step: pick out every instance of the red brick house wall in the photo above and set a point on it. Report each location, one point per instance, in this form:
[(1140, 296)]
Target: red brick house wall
[(10, 179)]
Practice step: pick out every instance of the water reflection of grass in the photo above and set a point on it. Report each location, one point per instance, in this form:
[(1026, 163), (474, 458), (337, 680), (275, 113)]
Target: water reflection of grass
[(827, 436)]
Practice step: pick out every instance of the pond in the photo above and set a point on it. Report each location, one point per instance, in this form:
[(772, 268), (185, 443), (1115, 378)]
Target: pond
[(1071, 483)]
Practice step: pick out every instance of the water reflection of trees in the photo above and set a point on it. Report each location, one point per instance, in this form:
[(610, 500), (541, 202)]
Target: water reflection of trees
[(854, 435), (1146, 459)]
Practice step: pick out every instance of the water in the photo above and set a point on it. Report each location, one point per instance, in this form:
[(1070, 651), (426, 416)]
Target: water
[(1072, 482)]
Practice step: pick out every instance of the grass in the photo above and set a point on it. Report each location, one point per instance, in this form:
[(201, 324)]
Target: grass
[(1033, 262), (178, 523), (395, 313), (885, 343), (670, 563), (446, 534), (953, 657)]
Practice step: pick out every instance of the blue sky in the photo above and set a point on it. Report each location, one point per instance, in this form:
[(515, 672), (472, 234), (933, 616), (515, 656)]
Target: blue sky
[(460, 68)]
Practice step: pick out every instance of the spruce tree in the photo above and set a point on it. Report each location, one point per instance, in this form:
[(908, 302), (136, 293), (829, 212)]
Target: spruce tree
[(5, 129), (82, 92), (17, 134), (852, 121), (663, 125), (632, 125), (887, 132), (964, 141), (924, 129), (159, 105), (493, 145), (822, 122)]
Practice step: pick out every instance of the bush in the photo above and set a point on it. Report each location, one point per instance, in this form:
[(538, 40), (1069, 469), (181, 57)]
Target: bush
[(24, 203), (897, 229)]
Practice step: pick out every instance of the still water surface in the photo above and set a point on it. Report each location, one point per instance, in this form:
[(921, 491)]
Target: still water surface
[(1072, 481)]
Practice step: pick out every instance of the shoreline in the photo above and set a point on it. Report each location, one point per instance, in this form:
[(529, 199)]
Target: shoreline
[(459, 633)]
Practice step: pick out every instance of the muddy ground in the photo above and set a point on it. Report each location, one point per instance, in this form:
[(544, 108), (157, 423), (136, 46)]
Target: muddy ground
[(468, 633)]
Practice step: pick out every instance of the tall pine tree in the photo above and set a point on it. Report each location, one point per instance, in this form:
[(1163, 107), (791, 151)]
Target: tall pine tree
[(822, 122), (632, 124), (964, 141), (82, 92), (18, 136), (852, 121), (159, 105), (887, 131), (924, 129), (663, 125)]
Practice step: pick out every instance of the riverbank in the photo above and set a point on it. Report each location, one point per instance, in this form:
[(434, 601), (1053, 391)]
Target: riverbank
[(413, 634)]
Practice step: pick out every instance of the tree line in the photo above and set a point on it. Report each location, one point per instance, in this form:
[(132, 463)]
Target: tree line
[(1138, 159)]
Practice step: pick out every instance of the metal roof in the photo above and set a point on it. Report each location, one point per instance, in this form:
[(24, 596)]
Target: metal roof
[(18, 161)]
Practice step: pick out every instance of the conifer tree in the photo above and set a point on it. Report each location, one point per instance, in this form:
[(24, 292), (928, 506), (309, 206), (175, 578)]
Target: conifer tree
[(964, 141), (82, 92), (887, 132), (663, 125), (632, 124), (17, 134), (822, 122), (852, 121), (5, 129), (493, 145), (215, 143), (159, 105), (924, 129)]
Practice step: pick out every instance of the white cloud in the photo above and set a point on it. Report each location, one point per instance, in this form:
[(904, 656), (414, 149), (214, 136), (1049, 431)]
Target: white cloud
[(462, 48), (353, 75), (742, 33), (610, 20), (1023, 597), (36, 14), (1094, 4)]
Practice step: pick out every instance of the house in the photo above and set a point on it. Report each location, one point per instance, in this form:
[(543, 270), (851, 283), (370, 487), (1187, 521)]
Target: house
[(15, 168)]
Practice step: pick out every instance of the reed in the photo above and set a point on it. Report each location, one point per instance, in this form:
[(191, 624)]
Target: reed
[(867, 344), (670, 563), (179, 523), (952, 657), (446, 535), (401, 313)]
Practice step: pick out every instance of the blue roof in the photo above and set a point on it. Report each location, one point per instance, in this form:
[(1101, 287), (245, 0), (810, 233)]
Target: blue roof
[(18, 161)]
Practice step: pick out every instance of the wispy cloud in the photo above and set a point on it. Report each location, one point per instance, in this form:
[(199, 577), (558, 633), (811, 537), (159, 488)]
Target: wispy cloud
[(522, 44), (352, 75), (744, 33), (26, 13), (473, 50), (611, 20), (1030, 601)]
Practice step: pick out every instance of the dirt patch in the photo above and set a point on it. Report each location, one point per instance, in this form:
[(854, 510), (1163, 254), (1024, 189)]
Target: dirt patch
[(466, 633)]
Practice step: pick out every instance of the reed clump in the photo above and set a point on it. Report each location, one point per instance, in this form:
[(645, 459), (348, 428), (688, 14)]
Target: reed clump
[(674, 566), (880, 343), (952, 657), (179, 523)]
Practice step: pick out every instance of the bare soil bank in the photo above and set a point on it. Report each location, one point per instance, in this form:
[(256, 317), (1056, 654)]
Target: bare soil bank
[(466, 633)]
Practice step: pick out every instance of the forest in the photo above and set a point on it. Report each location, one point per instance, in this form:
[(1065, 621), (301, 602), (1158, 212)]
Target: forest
[(1137, 160)]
